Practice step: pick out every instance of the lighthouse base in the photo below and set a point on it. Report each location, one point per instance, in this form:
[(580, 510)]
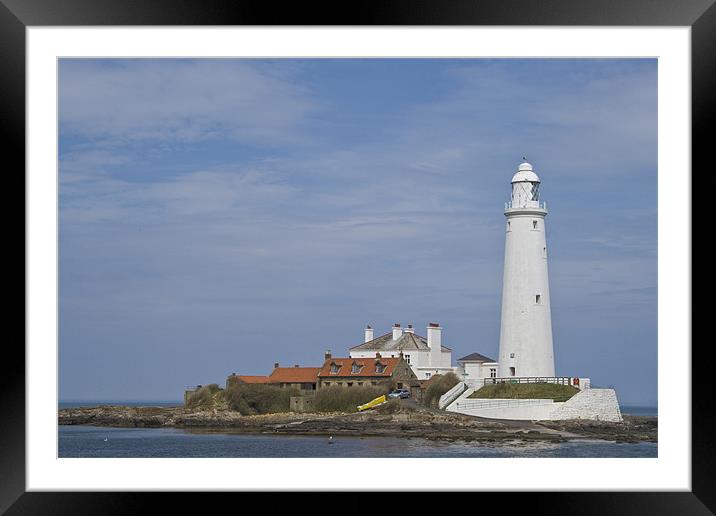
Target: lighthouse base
[(591, 404)]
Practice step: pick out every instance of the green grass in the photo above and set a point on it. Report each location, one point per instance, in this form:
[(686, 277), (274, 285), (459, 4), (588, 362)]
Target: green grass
[(257, 398), (335, 398), (204, 397), (552, 391)]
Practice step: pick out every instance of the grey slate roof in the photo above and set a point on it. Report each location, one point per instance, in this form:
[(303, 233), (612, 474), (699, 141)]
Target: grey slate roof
[(475, 357), (406, 342)]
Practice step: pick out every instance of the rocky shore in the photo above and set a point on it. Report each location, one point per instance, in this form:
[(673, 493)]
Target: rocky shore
[(404, 420)]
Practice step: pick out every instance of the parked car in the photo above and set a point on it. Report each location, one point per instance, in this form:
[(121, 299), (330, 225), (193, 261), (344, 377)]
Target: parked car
[(399, 393)]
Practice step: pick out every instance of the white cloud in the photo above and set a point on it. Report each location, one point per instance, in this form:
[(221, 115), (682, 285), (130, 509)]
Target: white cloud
[(184, 100)]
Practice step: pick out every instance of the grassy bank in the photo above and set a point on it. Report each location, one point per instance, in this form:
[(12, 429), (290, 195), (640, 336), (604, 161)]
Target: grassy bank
[(526, 391), (253, 399), (438, 386), (345, 399)]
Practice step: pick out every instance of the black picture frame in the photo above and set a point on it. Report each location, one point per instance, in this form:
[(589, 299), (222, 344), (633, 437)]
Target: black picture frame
[(17, 15)]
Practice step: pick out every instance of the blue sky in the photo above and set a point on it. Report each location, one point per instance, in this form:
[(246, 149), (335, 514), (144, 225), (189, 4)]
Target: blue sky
[(220, 215)]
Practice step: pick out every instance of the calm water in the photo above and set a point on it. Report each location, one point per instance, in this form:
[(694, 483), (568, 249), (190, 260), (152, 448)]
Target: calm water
[(639, 411), (89, 441)]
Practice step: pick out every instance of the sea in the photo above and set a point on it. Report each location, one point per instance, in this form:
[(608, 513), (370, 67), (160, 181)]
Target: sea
[(106, 442)]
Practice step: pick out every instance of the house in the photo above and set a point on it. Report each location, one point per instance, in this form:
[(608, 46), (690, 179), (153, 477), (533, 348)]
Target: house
[(476, 367), (301, 378), (425, 355), (245, 379), (377, 371)]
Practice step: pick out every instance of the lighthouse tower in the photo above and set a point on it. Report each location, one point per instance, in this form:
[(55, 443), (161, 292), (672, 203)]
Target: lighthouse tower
[(526, 324)]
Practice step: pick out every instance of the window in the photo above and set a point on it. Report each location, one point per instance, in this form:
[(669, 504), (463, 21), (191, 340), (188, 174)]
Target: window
[(512, 355), (534, 224), (349, 384), (407, 358), (335, 368), (493, 373), (544, 252), (508, 225), (360, 384), (355, 369), (512, 371), (379, 368), (427, 375), (538, 299)]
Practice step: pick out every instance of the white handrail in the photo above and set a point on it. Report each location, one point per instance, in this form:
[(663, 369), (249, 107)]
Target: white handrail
[(451, 395)]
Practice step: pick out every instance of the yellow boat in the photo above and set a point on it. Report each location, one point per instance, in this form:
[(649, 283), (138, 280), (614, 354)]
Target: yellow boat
[(373, 403)]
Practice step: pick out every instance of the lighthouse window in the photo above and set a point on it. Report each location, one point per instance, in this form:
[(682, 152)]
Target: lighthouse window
[(508, 225), (544, 252), (534, 224), (512, 371), (538, 298), (512, 355)]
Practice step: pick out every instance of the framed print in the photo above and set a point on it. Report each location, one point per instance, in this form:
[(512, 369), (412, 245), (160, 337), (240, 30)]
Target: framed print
[(213, 188)]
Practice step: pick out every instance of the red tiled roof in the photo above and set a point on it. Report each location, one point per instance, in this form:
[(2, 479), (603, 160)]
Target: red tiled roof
[(294, 375), (367, 369), (253, 379)]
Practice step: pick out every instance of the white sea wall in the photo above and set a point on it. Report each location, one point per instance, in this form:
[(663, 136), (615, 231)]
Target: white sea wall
[(592, 404), (597, 404)]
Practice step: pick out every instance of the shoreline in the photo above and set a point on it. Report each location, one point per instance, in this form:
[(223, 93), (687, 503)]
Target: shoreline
[(406, 421)]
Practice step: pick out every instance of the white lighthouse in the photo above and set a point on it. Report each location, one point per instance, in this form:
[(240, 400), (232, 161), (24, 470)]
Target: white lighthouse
[(526, 323)]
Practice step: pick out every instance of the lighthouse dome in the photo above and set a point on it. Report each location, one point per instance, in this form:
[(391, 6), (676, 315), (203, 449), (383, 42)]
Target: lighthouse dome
[(525, 173)]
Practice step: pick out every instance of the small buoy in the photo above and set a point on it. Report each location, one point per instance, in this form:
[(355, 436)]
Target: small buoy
[(105, 439), (330, 440)]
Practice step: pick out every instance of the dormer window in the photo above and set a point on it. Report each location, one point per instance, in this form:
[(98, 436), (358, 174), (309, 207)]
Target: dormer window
[(356, 368), (379, 368), (335, 368)]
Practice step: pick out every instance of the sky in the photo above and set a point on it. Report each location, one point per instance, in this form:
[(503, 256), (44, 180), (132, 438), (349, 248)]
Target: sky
[(221, 215)]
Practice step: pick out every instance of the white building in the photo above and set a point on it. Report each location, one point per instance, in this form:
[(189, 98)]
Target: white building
[(426, 356), (476, 367), (526, 325)]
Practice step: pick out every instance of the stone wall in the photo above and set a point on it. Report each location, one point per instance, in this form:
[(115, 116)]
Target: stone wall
[(302, 403), (598, 404), (593, 404)]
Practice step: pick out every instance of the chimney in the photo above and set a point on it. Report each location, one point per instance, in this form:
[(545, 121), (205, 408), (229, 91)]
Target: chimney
[(327, 355), (434, 343), (409, 329), (275, 365), (397, 331), (368, 334)]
